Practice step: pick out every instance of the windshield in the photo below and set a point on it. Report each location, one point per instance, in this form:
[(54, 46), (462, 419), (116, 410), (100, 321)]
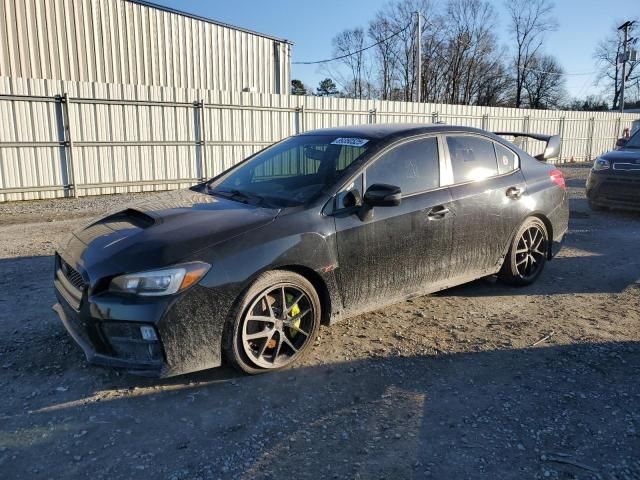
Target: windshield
[(291, 172), (634, 141)]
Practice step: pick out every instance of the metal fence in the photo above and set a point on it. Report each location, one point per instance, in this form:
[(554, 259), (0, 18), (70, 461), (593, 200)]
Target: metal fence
[(60, 138)]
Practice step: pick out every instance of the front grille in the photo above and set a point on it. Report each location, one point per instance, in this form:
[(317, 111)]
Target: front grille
[(629, 167), (71, 274), (621, 190)]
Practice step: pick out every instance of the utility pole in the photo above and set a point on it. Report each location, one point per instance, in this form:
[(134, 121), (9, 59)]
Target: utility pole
[(418, 60), (625, 56)]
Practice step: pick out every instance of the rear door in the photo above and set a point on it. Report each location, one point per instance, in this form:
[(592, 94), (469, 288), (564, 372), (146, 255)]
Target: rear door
[(396, 250), (488, 202)]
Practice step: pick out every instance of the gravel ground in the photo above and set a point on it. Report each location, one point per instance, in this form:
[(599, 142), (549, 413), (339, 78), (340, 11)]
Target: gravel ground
[(442, 386)]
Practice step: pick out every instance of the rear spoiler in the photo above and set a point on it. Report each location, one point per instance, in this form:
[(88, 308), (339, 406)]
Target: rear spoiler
[(551, 150)]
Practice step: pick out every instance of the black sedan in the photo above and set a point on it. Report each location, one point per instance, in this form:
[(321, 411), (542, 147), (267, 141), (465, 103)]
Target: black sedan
[(318, 227), (614, 180)]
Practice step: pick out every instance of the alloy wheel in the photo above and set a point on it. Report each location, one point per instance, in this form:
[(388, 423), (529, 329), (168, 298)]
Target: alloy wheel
[(531, 252), (277, 326)]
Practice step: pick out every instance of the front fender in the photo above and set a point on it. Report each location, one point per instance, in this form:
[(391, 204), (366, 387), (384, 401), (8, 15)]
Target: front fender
[(303, 242)]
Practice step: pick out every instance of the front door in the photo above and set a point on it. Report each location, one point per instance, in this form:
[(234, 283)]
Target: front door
[(396, 251)]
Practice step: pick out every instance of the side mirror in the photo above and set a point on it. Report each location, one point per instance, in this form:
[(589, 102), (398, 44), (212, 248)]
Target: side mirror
[(353, 198), (382, 195), (621, 142)]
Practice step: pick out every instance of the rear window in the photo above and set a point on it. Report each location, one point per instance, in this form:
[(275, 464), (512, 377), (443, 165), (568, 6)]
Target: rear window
[(507, 160), (472, 158)]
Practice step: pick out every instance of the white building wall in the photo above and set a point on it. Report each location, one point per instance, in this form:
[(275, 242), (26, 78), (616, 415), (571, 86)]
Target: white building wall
[(128, 42)]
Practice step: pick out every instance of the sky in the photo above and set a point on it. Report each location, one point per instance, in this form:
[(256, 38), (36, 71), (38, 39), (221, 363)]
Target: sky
[(312, 25)]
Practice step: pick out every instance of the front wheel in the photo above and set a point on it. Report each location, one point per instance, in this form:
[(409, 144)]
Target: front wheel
[(527, 255), (276, 321)]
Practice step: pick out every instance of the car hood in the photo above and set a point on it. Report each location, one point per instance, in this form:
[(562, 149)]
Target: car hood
[(622, 156), (160, 231)]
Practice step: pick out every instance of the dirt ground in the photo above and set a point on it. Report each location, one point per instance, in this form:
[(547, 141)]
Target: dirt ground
[(444, 386)]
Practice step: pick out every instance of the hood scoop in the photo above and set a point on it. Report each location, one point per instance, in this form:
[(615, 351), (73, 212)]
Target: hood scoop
[(129, 219), (126, 219)]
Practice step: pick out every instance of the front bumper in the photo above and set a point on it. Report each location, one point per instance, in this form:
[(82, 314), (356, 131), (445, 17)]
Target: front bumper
[(617, 190), (106, 326), (78, 331)]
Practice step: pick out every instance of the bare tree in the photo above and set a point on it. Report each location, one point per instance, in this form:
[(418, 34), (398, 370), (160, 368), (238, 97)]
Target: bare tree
[(381, 33), (530, 21), (350, 44), (401, 14), (610, 71), (462, 61), (589, 103), (471, 47), (434, 60), (495, 87), (544, 83)]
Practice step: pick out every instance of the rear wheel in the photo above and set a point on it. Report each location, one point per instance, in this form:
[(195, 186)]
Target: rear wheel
[(275, 323), (527, 255)]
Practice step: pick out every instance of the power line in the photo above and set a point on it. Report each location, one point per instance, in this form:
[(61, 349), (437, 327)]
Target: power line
[(356, 52)]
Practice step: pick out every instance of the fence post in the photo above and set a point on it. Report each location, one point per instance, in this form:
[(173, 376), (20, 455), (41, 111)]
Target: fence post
[(372, 115), (299, 119), (485, 121), (434, 117), (68, 143), (64, 164), (201, 142), (561, 135), (525, 129), (592, 123)]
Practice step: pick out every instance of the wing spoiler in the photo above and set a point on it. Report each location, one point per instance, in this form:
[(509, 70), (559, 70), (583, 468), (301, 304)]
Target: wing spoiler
[(551, 150)]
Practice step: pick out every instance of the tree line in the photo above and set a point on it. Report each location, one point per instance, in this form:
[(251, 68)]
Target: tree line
[(463, 61)]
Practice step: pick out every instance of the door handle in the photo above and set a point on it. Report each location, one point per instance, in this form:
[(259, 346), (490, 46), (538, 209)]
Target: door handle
[(514, 192), (436, 213)]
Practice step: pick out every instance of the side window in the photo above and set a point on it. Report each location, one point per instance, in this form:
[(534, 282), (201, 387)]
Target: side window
[(472, 158), (507, 160), (413, 166)]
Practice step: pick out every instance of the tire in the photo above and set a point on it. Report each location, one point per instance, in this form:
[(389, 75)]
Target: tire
[(527, 254), (259, 336)]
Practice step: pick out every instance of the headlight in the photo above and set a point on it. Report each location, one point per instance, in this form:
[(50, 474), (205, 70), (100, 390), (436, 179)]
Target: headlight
[(160, 282), (601, 164)]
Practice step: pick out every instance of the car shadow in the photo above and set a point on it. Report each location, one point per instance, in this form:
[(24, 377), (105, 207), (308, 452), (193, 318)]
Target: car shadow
[(564, 411)]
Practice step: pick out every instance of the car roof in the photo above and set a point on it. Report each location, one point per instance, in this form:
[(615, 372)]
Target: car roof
[(384, 131)]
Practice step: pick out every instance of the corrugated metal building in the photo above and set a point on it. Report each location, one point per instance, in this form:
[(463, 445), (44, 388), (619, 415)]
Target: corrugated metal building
[(139, 43)]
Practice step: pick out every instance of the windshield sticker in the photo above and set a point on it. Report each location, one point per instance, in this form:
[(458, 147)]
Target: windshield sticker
[(352, 142)]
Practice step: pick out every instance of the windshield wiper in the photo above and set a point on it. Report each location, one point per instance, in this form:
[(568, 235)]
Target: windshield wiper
[(239, 196)]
